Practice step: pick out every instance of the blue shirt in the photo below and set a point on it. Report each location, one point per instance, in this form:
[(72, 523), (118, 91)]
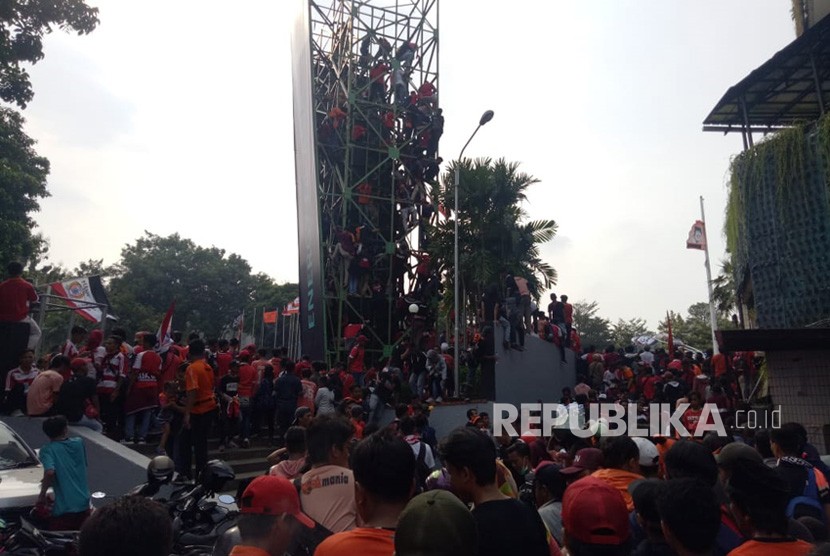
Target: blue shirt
[(68, 460)]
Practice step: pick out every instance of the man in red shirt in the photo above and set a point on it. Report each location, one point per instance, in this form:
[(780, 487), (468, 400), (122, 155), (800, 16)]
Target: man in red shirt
[(16, 297), (248, 382), (223, 358), (356, 359), (142, 393)]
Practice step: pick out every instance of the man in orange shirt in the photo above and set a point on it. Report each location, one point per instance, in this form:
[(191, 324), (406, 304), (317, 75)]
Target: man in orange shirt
[(200, 409), (622, 466), (384, 470)]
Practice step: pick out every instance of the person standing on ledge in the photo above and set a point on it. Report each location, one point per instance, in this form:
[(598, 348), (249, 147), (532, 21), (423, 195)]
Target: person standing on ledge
[(16, 298)]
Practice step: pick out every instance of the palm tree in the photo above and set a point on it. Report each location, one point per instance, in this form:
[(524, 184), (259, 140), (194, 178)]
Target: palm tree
[(723, 289), (493, 237)]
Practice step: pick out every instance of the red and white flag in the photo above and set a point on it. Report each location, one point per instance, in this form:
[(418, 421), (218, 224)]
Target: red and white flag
[(697, 236), (165, 333), (83, 293), (292, 308)]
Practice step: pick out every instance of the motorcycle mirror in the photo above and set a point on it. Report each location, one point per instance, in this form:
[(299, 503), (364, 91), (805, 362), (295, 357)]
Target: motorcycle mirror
[(98, 494), (227, 499)]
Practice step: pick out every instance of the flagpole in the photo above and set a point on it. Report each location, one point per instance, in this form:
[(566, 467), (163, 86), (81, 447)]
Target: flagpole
[(276, 323), (713, 322)]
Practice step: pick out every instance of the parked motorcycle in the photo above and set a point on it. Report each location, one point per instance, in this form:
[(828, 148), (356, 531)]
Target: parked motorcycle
[(198, 519)]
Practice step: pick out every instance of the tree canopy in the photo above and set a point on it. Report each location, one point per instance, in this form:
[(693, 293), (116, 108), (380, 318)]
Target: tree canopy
[(494, 236), (694, 329), (593, 330), (211, 287), (23, 23), (22, 183)]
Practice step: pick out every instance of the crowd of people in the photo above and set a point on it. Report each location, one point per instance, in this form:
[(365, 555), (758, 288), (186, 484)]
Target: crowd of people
[(338, 490), (344, 482)]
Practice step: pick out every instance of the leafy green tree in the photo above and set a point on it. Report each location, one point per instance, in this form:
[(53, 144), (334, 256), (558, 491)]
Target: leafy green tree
[(22, 183), (593, 329), (623, 331), (22, 172), (694, 329), (494, 236), (23, 24), (210, 288)]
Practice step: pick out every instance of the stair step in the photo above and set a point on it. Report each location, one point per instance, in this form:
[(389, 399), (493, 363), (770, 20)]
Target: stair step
[(253, 465)]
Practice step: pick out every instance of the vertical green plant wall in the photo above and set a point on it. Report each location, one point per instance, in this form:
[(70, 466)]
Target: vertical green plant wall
[(777, 225)]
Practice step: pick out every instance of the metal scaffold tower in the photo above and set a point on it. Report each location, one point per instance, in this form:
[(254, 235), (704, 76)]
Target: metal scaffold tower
[(377, 125)]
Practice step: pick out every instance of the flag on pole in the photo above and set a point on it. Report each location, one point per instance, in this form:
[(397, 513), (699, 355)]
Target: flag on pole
[(269, 317), (292, 308), (670, 340), (165, 333), (239, 323), (697, 236), (81, 293)]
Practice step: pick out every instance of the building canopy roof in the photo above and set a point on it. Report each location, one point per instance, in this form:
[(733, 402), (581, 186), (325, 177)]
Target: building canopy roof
[(783, 91)]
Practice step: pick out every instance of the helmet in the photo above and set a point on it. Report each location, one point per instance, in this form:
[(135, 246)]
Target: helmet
[(160, 469), (215, 474), (438, 479)]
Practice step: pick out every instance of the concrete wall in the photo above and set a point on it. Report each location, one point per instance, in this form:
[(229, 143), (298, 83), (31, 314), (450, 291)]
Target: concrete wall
[(799, 384), (534, 374)]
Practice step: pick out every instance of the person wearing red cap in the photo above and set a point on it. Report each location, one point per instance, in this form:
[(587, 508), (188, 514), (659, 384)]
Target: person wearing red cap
[(586, 461), (594, 517), (270, 518)]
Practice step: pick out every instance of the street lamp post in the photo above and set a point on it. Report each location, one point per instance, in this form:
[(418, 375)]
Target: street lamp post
[(486, 117)]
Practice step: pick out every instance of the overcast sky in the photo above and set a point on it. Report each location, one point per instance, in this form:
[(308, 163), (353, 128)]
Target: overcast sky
[(176, 116)]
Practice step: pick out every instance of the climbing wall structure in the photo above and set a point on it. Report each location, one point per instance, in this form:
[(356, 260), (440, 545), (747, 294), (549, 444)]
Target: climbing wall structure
[(367, 124)]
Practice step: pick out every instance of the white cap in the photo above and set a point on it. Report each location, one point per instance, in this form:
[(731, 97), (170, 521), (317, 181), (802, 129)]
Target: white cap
[(445, 346), (649, 456)]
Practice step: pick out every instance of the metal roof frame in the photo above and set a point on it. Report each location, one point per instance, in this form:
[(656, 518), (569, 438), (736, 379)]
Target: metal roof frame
[(790, 88)]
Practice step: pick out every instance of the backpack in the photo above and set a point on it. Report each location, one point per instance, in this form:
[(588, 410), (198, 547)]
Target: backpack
[(809, 498), (422, 471), (307, 540)]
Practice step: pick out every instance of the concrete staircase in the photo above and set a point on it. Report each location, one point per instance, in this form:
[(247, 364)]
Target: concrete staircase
[(247, 463)]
